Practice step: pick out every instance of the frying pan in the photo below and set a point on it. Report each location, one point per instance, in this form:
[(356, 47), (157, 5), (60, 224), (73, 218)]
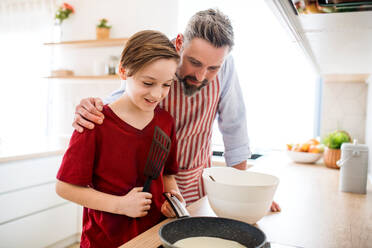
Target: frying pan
[(187, 227)]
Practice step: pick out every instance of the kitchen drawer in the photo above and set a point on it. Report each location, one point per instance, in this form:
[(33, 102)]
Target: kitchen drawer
[(20, 174), (17, 204), (40, 230)]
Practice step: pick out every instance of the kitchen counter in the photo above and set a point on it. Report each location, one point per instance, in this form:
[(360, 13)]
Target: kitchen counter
[(314, 212), (19, 149)]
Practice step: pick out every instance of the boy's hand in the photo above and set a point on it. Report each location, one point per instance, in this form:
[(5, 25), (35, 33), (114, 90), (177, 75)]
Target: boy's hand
[(88, 111), (134, 204), (166, 208)]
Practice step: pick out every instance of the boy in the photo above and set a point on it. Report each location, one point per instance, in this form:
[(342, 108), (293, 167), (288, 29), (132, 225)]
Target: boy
[(103, 168)]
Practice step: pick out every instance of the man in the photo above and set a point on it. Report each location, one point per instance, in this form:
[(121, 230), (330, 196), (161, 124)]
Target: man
[(207, 87)]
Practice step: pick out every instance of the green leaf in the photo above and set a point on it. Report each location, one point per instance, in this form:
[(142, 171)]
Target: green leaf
[(335, 139)]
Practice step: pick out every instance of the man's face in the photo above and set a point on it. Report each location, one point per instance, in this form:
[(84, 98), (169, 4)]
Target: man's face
[(200, 63)]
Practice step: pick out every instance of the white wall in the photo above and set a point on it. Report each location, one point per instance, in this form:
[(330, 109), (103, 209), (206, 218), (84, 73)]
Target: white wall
[(126, 17), (344, 107)]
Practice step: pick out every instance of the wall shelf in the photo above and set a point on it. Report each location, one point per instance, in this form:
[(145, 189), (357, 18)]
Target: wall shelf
[(110, 77), (91, 43)]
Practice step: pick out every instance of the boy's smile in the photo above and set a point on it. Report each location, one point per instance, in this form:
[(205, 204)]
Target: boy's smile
[(149, 86)]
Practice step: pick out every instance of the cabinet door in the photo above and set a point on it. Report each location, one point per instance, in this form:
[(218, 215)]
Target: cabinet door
[(40, 230), (21, 203), (20, 174)]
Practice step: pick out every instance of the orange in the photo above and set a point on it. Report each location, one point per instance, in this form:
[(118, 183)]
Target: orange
[(305, 147), (313, 141)]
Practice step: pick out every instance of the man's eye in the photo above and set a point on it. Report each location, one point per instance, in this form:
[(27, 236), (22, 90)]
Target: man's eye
[(147, 83), (166, 85), (195, 63)]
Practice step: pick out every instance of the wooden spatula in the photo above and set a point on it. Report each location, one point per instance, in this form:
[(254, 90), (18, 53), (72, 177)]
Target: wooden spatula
[(158, 154)]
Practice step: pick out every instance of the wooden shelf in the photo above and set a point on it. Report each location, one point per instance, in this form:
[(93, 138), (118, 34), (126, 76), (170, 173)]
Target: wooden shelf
[(91, 43), (110, 77)]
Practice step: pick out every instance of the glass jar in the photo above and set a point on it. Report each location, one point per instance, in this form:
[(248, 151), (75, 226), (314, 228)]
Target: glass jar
[(112, 65)]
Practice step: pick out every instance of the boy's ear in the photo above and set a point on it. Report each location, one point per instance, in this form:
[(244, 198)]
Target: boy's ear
[(122, 72), (179, 42)]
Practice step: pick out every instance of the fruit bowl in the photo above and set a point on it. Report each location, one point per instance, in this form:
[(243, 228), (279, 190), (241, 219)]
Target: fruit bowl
[(304, 157)]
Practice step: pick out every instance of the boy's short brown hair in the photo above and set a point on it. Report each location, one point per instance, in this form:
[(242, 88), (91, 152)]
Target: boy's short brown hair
[(145, 47)]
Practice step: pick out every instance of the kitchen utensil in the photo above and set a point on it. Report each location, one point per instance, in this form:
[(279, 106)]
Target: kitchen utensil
[(177, 206), (212, 178), (354, 167), (239, 195), (158, 154), (186, 227)]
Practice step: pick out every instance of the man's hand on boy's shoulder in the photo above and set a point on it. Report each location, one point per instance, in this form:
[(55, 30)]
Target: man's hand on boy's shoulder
[(88, 112)]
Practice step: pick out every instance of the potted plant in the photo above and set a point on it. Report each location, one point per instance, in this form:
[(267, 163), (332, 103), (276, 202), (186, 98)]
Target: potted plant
[(102, 29), (333, 142)]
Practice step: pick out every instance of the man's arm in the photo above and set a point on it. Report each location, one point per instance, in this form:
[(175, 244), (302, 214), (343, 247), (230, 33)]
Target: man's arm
[(89, 111), (232, 117), (241, 166)]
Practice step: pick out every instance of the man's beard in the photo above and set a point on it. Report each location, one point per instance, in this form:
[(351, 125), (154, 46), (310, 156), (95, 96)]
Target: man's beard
[(189, 89)]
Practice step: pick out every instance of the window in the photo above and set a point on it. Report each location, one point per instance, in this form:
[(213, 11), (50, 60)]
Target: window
[(24, 26), (278, 83)]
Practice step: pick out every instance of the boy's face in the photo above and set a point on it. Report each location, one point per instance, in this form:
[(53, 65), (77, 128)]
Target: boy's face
[(150, 85), (200, 63)]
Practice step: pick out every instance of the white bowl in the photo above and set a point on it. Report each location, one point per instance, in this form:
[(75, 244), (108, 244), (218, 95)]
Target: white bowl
[(237, 194), (304, 157)]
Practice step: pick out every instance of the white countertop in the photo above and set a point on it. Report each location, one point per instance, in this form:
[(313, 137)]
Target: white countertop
[(19, 149)]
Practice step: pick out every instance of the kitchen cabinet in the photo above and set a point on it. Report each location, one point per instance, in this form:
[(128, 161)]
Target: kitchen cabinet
[(335, 43), (32, 214)]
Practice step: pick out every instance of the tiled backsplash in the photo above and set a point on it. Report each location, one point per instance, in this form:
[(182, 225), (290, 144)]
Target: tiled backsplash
[(344, 107)]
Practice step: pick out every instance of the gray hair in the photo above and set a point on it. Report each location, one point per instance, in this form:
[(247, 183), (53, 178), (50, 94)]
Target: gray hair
[(211, 25)]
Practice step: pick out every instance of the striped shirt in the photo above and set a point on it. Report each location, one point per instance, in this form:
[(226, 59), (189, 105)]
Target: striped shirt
[(194, 116)]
